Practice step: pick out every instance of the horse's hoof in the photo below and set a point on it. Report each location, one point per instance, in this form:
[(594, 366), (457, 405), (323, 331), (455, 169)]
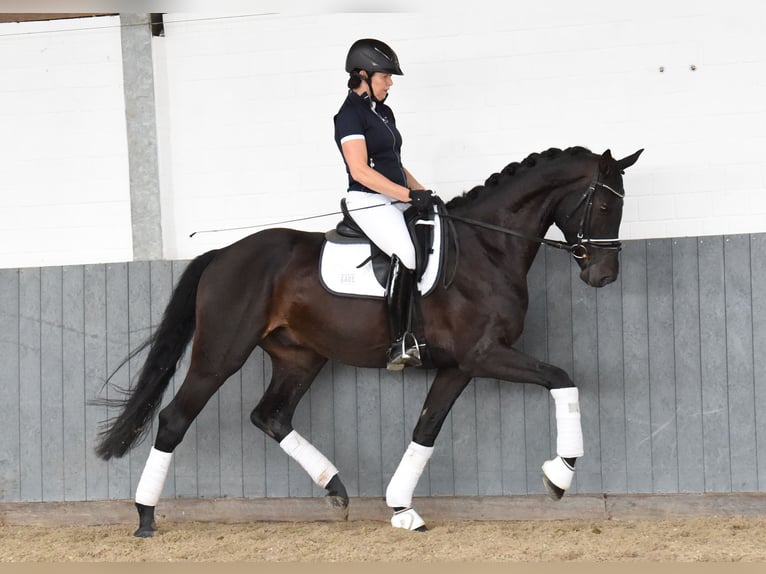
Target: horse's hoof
[(144, 533), (339, 504), (553, 491), (408, 519)]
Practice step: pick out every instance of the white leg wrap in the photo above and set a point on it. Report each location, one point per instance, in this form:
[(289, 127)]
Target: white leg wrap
[(153, 478), (569, 443), (317, 465), (558, 472), (405, 479), (407, 519)]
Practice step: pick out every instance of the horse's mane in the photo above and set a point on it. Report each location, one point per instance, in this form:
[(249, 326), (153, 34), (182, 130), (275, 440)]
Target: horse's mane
[(512, 169)]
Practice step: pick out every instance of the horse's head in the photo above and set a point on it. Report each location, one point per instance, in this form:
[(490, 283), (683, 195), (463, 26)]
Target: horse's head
[(590, 220)]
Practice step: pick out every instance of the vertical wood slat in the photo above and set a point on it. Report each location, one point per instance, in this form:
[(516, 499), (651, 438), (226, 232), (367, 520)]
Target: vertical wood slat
[(73, 382), (758, 293), (659, 264), (635, 334), (715, 394), (10, 438), (686, 325), (30, 399), (739, 355)]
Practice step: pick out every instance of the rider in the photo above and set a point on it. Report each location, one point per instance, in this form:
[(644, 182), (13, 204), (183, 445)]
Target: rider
[(380, 188)]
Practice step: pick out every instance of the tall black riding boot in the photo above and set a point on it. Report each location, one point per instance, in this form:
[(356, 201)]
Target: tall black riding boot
[(404, 351)]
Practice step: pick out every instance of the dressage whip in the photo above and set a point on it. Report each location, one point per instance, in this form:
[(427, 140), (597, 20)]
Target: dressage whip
[(297, 220)]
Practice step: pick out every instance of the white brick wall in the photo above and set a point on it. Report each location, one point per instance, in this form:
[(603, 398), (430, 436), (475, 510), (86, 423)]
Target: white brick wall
[(245, 108), (64, 190)]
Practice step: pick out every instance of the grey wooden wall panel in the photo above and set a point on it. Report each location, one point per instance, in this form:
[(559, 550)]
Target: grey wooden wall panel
[(585, 375), (666, 360), (51, 383), (659, 262), (611, 389), (715, 393), (117, 348), (757, 282), (10, 437), (30, 398), (635, 336), (739, 349), (686, 325), (73, 383), (94, 290)]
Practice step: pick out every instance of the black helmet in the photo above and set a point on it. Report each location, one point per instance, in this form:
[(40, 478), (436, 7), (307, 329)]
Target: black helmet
[(372, 56)]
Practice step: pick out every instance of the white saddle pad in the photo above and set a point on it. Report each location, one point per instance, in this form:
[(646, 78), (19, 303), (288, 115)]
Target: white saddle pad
[(340, 274)]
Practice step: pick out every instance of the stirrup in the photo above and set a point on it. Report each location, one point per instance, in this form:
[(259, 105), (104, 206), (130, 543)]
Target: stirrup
[(402, 355)]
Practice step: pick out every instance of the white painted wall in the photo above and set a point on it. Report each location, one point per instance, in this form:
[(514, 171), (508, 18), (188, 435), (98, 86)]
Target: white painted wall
[(64, 189), (245, 106)]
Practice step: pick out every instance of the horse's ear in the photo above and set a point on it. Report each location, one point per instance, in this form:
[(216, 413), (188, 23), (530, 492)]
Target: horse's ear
[(605, 163), (626, 162)]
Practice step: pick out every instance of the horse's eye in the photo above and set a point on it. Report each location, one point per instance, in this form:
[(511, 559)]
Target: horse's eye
[(603, 209)]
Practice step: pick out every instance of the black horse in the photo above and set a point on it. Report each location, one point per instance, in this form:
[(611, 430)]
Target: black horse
[(264, 290)]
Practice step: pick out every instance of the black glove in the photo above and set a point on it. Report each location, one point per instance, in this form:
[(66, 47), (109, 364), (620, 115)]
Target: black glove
[(422, 199)]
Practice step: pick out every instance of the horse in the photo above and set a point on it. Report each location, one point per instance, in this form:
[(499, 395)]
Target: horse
[(264, 290)]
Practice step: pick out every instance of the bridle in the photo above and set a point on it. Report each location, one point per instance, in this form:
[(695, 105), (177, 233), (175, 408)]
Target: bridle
[(578, 249)]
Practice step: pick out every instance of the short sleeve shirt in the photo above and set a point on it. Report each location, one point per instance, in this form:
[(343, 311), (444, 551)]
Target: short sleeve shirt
[(361, 118)]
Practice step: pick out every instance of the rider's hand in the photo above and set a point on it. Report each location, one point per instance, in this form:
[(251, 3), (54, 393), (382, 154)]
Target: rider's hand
[(422, 199)]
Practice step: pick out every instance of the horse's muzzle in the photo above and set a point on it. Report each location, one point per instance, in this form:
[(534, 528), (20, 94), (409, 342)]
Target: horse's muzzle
[(601, 273)]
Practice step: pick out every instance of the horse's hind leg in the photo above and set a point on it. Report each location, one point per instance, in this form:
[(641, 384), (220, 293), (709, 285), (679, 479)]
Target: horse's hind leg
[(293, 371), (202, 381)]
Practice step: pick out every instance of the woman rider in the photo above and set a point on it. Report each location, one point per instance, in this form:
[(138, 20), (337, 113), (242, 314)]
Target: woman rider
[(380, 188)]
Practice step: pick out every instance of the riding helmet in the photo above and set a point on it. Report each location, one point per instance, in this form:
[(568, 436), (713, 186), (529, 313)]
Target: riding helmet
[(372, 56)]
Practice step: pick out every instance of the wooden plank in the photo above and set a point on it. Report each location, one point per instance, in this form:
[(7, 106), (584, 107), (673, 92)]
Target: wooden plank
[(585, 375), (659, 260), (94, 298), (540, 442), (489, 452), (73, 376), (230, 436), (139, 329), (739, 358), (686, 324), (464, 443), (635, 334), (441, 465), (513, 443), (715, 399), (611, 389), (29, 390), (51, 383), (368, 423), (395, 434), (10, 471), (758, 280)]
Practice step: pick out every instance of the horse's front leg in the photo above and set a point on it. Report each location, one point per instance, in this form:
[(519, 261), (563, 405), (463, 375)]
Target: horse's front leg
[(445, 389), (509, 364)]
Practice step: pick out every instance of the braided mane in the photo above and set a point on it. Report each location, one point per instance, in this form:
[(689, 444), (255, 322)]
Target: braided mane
[(512, 169)]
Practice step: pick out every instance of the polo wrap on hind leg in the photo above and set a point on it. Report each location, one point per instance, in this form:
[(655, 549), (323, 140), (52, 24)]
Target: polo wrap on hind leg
[(405, 479), (153, 478), (317, 465)]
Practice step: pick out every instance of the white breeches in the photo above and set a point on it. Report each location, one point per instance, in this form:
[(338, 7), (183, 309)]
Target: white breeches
[(384, 225)]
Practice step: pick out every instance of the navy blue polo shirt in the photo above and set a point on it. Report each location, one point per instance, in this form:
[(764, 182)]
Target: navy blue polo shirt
[(361, 118)]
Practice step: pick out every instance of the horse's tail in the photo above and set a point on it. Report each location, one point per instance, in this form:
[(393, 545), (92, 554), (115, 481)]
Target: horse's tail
[(166, 346)]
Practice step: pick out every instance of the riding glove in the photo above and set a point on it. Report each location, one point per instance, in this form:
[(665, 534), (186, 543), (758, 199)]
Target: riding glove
[(422, 199)]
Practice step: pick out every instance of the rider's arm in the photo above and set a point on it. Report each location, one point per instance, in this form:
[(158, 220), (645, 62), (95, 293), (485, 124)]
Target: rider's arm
[(355, 154)]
